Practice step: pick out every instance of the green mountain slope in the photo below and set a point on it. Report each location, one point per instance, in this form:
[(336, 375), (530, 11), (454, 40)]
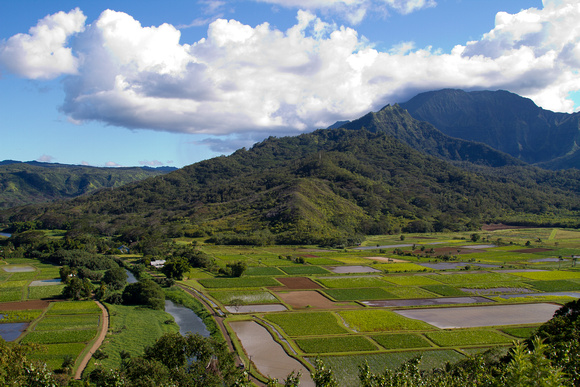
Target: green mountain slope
[(504, 121), (32, 182), (329, 186)]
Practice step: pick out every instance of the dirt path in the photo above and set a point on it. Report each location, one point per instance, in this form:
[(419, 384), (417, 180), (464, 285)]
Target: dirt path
[(98, 342)]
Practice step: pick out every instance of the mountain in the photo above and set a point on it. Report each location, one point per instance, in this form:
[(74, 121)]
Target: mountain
[(426, 138), (329, 186), (504, 121), (33, 182)]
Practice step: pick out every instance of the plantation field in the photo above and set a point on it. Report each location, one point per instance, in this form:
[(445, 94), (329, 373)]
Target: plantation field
[(379, 320), (348, 343), (307, 324), (352, 282), (401, 341), (359, 294), (243, 282), (246, 297), (467, 337)]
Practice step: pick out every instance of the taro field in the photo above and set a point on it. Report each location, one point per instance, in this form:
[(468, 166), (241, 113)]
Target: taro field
[(348, 306)]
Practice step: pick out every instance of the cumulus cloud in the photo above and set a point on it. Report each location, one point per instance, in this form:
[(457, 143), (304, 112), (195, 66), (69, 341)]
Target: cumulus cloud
[(151, 163), (112, 164), (258, 80), (41, 54), (45, 159)]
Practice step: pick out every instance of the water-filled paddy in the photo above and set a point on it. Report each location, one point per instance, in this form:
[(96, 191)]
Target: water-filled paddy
[(18, 269), (267, 355), (46, 282), (256, 308), (428, 301), (352, 269), (11, 331), (482, 316)]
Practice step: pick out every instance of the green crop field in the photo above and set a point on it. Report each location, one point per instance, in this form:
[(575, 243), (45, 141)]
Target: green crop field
[(353, 282), (55, 337), (74, 307), (397, 267), (359, 294), (411, 292), (268, 270), (520, 332), (307, 324), (549, 275), (335, 344), (555, 285), (247, 297), (49, 291), (445, 290), (14, 316), (51, 323), (474, 278), (304, 270), (456, 338), (413, 280), (401, 341), (243, 282), (54, 354), (378, 320)]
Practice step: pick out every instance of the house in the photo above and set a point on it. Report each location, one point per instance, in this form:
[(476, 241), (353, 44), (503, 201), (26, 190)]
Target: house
[(158, 264)]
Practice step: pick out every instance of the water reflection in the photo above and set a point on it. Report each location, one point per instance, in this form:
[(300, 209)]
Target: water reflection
[(187, 320), (11, 331)]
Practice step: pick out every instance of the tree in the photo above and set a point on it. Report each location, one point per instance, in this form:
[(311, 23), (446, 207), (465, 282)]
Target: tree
[(116, 278), (475, 237), (322, 376), (175, 267), (145, 292), (236, 269), (78, 289)]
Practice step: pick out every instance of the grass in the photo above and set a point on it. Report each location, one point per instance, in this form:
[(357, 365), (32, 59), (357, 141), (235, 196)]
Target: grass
[(56, 337), (39, 292), (132, 329), (549, 275), (445, 290), (51, 323), (555, 285), (411, 292), (15, 316), (53, 354), (401, 341), (352, 282), (269, 270), (348, 343), (247, 297), (413, 280), (520, 332), (242, 282), (379, 320), (455, 338), (359, 294), (74, 307), (307, 324), (345, 368), (303, 270)]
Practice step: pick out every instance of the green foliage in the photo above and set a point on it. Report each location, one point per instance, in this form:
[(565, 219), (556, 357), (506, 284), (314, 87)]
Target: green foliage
[(555, 285), (307, 324), (78, 289), (457, 338), (336, 344), (376, 320), (55, 337), (145, 292), (175, 268), (322, 375), (401, 341), (359, 294), (74, 307), (244, 282), (116, 278)]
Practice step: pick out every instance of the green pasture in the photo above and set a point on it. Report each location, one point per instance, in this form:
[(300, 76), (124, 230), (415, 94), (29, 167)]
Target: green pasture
[(549, 275), (241, 282), (445, 290), (74, 307), (304, 270), (16, 316), (62, 322), (348, 343), (352, 282), (401, 341), (263, 270), (520, 332), (307, 323), (56, 336), (54, 354), (132, 328), (247, 297), (461, 337), (413, 280), (380, 320), (345, 368), (359, 294)]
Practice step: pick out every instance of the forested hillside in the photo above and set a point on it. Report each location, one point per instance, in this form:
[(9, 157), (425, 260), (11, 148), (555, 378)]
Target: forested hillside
[(504, 121), (331, 186), (34, 182)]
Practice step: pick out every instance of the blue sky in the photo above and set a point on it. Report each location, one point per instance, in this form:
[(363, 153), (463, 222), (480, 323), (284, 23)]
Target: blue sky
[(125, 83)]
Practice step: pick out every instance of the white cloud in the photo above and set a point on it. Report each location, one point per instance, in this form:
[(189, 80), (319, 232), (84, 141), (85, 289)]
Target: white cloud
[(151, 163), (42, 54), (252, 80), (112, 164), (45, 159)]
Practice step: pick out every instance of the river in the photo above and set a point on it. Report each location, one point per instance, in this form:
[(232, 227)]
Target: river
[(186, 318)]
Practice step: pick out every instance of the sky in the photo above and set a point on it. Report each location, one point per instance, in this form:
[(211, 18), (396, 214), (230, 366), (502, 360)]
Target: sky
[(151, 83)]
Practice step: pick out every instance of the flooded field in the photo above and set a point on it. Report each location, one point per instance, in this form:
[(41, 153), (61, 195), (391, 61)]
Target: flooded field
[(352, 269), (267, 355), (428, 301), (18, 269), (256, 308), (482, 316), (11, 331), (47, 282)]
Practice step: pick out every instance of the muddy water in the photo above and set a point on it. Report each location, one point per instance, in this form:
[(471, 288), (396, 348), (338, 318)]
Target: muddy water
[(11, 331), (267, 355)]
